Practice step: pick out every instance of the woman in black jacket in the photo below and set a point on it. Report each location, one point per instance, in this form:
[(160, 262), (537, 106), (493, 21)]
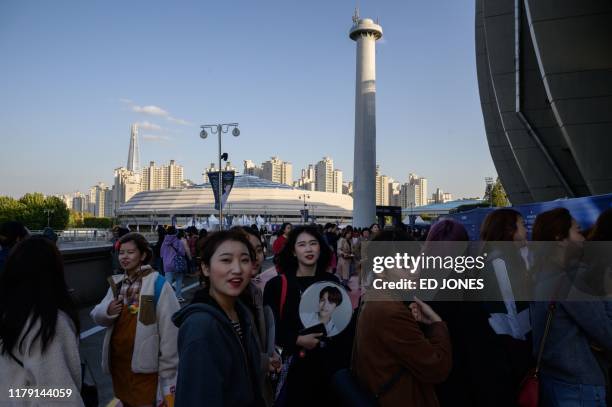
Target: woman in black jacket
[(304, 260), (219, 355)]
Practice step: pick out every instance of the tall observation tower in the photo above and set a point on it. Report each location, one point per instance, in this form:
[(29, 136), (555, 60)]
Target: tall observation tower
[(133, 162), (365, 33)]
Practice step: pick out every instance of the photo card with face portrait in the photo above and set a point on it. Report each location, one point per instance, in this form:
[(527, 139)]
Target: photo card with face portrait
[(326, 303)]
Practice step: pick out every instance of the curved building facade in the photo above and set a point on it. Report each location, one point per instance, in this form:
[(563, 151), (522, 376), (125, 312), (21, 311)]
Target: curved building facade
[(545, 81), (250, 196)]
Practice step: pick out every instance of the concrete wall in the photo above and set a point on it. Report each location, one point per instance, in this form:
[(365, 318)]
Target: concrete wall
[(86, 271)]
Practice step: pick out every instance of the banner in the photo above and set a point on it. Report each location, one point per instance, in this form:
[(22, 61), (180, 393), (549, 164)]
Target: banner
[(585, 210), (227, 182)]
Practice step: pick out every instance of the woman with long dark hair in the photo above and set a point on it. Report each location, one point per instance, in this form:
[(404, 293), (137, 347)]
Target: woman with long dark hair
[(304, 261), (283, 235), (401, 351), (39, 325), (220, 357), (502, 328), (570, 373)]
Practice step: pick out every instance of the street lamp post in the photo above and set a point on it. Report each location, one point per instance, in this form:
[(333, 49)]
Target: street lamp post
[(48, 212), (304, 196), (219, 129)]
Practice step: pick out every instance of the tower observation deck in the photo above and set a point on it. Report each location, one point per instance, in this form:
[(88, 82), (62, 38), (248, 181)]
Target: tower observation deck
[(365, 32)]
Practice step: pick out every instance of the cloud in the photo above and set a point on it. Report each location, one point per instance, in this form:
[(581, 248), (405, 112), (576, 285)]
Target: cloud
[(151, 110), (149, 126), (179, 121), (156, 138)]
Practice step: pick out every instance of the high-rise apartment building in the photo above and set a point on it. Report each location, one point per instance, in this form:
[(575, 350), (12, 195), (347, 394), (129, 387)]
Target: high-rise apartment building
[(337, 187), (250, 168), (276, 170), (79, 202), (90, 199), (164, 177), (414, 192), (440, 196), (307, 179), (347, 188), (394, 193), (324, 175), (382, 190), (100, 200), (126, 184)]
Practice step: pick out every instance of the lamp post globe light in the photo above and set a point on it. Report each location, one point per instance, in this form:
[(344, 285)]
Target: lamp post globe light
[(49, 212), (304, 197), (219, 129)]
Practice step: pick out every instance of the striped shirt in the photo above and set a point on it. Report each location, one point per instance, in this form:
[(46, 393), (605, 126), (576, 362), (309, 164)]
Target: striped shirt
[(238, 329)]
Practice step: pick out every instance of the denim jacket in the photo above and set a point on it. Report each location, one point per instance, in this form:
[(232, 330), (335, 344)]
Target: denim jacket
[(575, 326)]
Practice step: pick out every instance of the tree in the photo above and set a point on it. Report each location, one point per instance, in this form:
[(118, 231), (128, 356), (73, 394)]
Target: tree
[(30, 210), (11, 209), (34, 217), (60, 216), (498, 195), (102, 223)]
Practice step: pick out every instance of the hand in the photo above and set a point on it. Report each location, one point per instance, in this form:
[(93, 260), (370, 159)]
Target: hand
[(275, 363), (115, 307), (423, 312), (309, 341)]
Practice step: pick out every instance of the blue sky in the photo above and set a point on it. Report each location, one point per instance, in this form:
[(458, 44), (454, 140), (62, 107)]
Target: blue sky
[(74, 75)]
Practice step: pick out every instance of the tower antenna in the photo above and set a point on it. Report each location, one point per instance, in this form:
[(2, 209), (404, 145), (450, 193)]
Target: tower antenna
[(356, 14)]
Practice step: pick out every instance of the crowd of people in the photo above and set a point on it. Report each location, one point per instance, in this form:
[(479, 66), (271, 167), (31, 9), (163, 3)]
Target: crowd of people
[(242, 339)]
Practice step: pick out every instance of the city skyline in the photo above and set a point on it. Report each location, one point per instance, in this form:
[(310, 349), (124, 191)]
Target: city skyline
[(73, 88)]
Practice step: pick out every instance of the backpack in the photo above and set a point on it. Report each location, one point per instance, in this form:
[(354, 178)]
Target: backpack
[(179, 262)]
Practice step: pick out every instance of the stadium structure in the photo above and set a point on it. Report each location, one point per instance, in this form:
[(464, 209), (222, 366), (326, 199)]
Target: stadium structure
[(251, 196), (545, 80)]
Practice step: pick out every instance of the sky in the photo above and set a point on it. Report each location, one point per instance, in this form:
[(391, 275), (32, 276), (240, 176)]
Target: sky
[(74, 75)]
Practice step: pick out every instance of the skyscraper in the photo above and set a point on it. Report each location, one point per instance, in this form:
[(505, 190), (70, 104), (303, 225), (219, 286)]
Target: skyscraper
[(164, 177), (324, 175), (251, 169), (127, 184), (276, 170), (414, 192), (365, 33), (133, 162), (337, 187)]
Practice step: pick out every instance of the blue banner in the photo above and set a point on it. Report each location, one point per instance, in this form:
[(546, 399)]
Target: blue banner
[(227, 182), (585, 210)]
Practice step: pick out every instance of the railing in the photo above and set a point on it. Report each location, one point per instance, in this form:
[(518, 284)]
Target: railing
[(88, 237)]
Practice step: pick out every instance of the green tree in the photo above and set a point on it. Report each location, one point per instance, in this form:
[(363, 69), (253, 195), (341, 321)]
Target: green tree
[(498, 195), (102, 223), (60, 216), (11, 209), (75, 219), (34, 217)]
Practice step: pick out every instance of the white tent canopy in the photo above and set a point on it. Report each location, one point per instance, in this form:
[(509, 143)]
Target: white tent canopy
[(418, 221)]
